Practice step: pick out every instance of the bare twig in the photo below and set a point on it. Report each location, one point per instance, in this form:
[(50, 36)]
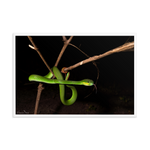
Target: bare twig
[(126, 47), (64, 38), (40, 89), (66, 42), (35, 48)]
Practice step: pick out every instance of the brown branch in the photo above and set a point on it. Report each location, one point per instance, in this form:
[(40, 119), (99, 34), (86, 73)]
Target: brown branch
[(64, 38), (35, 48), (66, 42), (126, 47), (40, 89)]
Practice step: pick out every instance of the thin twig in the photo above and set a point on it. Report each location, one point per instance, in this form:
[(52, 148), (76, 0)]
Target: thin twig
[(126, 47), (66, 42), (40, 89), (64, 38), (35, 48)]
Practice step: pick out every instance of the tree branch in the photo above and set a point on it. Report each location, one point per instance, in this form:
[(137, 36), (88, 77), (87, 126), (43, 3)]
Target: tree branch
[(35, 48), (126, 47), (40, 89), (66, 42)]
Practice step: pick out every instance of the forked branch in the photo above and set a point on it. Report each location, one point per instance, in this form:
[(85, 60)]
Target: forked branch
[(40, 88)]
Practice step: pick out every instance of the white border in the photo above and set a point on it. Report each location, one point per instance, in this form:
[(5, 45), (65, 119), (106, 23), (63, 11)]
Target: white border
[(10, 75), (72, 116), (14, 77), (135, 75), (79, 31), (74, 34)]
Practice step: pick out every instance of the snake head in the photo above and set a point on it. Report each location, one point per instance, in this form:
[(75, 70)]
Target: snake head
[(87, 82)]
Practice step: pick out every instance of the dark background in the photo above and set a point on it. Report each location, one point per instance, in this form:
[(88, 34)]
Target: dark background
[(116, 71)]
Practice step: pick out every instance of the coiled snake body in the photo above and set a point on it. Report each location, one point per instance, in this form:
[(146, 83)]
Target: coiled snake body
[(60, 80)]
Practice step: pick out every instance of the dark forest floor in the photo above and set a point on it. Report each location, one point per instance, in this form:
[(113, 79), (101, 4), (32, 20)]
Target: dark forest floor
[(109, 100)]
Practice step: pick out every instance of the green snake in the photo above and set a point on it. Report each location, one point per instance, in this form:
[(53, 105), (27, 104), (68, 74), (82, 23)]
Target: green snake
[(60, 80)]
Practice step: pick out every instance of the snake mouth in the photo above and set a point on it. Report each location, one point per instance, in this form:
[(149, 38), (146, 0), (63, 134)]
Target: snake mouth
[(95, 88)]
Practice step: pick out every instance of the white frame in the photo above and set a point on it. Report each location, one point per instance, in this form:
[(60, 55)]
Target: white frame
[(73, 116)]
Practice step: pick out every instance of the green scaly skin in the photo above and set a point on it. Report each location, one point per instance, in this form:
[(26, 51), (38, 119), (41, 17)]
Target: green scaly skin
[(60, 80)]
